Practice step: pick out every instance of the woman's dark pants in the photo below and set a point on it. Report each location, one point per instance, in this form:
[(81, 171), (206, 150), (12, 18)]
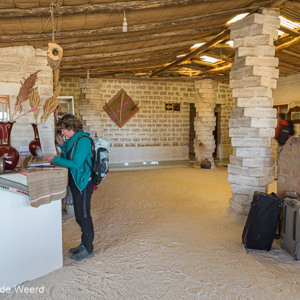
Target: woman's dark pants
[(82, 210)]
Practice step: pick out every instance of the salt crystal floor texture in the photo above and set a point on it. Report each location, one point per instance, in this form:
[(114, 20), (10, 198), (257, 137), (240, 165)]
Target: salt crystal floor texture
[(167, 234)]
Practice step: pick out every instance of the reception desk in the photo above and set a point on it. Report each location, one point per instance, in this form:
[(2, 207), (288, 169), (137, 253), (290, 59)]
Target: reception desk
[(30, 228)]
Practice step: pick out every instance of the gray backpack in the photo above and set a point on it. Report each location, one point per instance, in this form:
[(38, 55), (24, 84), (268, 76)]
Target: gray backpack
[(100, 148)]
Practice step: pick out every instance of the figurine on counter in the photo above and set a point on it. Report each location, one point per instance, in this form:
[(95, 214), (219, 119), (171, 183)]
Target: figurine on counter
[(76, 153)]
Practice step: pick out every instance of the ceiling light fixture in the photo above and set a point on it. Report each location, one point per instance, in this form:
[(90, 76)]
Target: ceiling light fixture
[(125, 29)]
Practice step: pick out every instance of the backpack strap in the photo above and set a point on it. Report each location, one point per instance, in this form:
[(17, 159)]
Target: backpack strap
[(93, 147)]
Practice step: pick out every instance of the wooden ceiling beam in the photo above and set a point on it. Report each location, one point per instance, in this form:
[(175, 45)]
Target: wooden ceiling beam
[(292, 5), (113, 7), (289, 66), (217, 39), (134, 39), (217, 70), (132, 28), (186, 44), (95, 32), (110, 68), (154, 59), (275, 4), (289, 31), (294, 41), (291, 53)]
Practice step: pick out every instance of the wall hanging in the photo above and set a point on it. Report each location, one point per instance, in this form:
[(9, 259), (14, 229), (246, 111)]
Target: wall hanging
[(120, 108)]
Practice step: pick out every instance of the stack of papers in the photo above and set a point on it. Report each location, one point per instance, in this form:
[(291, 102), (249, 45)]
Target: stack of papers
[(39, 164)]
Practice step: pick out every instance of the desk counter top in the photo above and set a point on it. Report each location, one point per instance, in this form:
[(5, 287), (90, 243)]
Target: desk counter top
[(42, 184)]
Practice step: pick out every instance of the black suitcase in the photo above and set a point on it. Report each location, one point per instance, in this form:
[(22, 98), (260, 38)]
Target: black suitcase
[(262, 222), (291, 227)]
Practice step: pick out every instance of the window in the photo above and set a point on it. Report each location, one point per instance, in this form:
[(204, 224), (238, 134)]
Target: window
[(4, 108), (66, 104)]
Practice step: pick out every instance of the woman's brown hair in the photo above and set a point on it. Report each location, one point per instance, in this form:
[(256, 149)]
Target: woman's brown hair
[(69, 122)]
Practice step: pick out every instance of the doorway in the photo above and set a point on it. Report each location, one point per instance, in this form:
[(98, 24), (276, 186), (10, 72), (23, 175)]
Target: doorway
[(192, 132), (217, 131)]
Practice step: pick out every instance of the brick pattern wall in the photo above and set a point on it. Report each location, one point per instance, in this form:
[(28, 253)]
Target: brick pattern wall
[(152, 133), (225, 99), (70, 87), (90, 96), (288, 172), (152, 125), (16, 64), (252, 78)]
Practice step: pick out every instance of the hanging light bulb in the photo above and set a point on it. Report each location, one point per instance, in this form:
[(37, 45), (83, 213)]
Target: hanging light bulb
[(124, 23)]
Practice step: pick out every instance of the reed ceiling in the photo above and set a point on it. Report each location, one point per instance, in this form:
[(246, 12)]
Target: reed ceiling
[(92, 36)]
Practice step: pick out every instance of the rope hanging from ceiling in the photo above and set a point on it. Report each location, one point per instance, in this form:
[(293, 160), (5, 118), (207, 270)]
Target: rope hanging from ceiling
[(55, 52)]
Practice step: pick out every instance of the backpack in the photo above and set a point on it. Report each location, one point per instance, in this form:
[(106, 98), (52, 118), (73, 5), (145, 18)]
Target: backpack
[(100, 149), (283, 135)]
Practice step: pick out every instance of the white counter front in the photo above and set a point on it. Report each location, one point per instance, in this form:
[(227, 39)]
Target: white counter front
[(31, 238)]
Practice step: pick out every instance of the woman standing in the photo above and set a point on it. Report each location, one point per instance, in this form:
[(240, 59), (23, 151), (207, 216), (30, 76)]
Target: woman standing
[(76, 155)]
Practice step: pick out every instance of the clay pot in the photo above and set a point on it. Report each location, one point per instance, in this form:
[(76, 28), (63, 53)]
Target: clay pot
[(9, 154), (35, 144)]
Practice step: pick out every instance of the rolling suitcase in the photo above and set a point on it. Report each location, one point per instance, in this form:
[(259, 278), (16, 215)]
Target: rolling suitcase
[(291, 227), (262, 222)]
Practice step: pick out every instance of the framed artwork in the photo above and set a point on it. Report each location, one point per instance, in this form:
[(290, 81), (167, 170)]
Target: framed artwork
[(294, 114)]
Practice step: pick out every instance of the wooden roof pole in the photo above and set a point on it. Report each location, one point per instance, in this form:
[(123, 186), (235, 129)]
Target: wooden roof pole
[(287, 44), (97, 8), (218, 39)]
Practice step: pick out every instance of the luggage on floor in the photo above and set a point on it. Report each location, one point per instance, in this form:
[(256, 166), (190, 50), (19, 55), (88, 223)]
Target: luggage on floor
[(262, 222), (291, 227)]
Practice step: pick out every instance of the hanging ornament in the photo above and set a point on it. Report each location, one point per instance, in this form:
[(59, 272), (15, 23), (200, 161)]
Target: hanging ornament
[(124, 23), (54, 55)]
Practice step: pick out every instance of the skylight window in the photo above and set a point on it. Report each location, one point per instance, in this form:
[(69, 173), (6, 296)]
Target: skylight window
[(237, 18), (287, 23), (209, 59), (197, 45), (181, 55)]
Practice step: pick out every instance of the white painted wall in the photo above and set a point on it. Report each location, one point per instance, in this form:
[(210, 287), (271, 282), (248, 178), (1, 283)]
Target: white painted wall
[(288, 90)]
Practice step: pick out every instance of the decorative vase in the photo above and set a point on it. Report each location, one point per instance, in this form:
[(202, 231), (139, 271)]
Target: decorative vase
[(35, 144), (10, 154)]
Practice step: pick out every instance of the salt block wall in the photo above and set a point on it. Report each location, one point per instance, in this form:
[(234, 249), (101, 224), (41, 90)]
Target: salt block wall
[(288, 172), (153, 133), (16, 64)]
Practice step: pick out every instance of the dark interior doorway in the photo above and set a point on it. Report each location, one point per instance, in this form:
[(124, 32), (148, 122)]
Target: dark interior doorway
[(192, 132), (217, 131)]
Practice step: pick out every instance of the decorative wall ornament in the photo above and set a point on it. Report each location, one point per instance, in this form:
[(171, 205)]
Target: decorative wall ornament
[(54, 55), (120, 108)]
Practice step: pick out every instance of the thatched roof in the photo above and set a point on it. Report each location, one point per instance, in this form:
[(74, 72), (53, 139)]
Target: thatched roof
[(91, 34)]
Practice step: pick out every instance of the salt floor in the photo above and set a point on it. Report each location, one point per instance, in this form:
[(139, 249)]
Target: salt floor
[(167, 234)]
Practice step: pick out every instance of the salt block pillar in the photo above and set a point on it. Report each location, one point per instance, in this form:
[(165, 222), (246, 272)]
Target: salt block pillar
[(253, 120), (205, 121)]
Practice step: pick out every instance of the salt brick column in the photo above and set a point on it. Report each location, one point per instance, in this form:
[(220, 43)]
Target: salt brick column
[(205, 120), (90, 105), (251, 127)]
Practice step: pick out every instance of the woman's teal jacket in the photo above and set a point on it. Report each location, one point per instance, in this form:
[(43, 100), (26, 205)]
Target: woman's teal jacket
[(79, 169)]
